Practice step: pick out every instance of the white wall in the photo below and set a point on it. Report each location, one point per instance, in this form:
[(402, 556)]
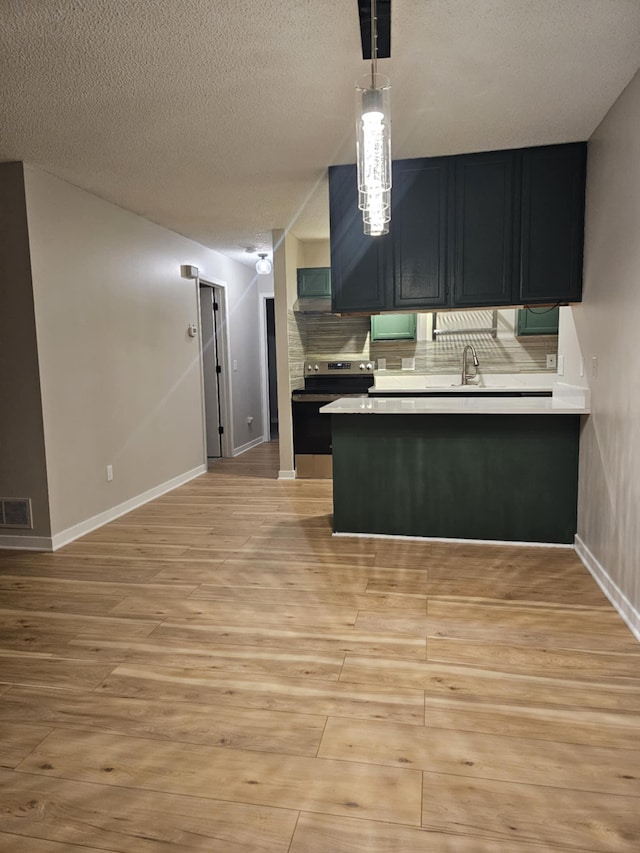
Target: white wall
[(315, 253), (607, 325), (243, 287), (575, 368), (120, 376), (287, 257)]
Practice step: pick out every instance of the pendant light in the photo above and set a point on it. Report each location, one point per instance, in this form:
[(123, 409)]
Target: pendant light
[(263, 264), (373, 143)]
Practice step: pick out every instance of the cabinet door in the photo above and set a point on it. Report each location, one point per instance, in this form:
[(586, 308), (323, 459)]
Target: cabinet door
[(393, 327), (420, 207), (360, 265), (314, 281), (553, 179), (484, 260), (543, 321)]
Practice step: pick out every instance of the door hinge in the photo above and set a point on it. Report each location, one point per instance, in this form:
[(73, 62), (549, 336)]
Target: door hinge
[(215, 306), (218, 368), (221, 430)]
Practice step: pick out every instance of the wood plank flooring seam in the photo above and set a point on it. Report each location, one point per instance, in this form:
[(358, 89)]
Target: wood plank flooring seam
[(324, 728)]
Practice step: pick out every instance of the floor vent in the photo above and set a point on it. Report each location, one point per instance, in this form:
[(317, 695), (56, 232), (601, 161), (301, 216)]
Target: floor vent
[(15, 512)]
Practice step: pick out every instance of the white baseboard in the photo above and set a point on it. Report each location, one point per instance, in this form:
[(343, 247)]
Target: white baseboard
[(84, 527), (286, 475), (404, 538), (26, 543), (610, 588), (238, 451)]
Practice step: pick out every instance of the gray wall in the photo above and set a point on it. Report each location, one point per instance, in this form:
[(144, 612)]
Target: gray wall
[(22, 456), (119, 379), (607, 326)]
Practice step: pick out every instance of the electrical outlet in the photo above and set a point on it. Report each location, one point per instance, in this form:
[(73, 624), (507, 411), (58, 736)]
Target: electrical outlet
[(382, 364), (109, 473), (594, 365), (551, 359), (560, 365), (408, 364)]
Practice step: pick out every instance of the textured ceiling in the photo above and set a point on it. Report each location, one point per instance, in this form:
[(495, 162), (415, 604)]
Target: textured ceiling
[(218, 118)]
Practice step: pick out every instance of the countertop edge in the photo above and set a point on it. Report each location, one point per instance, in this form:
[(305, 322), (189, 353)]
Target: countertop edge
[(476, 405)]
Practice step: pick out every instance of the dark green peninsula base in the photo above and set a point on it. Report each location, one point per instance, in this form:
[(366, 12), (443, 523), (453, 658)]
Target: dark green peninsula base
[(511, 477)]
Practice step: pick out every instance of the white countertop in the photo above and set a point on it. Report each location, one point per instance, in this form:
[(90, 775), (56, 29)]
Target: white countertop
[(451, 405), (450, 383), (461, 389)]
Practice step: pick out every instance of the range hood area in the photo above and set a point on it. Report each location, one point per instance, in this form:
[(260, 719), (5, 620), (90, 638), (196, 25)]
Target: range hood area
[(313, 305)]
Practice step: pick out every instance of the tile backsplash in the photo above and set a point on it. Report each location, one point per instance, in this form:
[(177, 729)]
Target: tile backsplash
[(325, 337), (297, 344)]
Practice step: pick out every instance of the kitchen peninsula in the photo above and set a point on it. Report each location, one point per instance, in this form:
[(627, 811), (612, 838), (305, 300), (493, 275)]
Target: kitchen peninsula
[(481, 467)]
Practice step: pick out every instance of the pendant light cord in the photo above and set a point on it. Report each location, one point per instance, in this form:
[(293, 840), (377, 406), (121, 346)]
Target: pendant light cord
[(374, 43)]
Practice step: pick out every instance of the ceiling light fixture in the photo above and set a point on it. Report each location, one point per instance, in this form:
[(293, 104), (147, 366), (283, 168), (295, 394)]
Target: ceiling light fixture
[(373, 142), (263, 264)]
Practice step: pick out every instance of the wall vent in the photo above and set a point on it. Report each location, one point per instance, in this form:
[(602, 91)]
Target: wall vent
[(15, 512)]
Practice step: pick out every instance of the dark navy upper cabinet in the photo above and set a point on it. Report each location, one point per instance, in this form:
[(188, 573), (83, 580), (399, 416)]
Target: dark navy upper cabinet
[(473, 230), (361, 270), (420, 211), (484, 266), (553, 183)]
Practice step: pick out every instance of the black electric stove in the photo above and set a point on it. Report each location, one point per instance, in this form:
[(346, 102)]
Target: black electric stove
[(333, 379), (324, 381)]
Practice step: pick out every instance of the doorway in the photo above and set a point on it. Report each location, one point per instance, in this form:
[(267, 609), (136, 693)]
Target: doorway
[(211, 369), (269, 369)]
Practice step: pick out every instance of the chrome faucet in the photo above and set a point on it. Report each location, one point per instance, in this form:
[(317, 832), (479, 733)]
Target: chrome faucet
[(465, 375)]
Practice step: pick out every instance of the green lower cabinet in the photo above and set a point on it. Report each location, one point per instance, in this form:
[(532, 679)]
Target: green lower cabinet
[(538, 321), (501, 477), (314, 281), (394, 327)]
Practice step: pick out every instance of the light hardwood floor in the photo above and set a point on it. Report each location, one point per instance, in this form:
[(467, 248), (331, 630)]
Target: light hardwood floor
[(216, 672)]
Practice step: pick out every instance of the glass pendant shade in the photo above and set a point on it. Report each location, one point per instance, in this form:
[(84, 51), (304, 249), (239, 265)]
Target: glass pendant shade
[(373, 152), (263, 265)]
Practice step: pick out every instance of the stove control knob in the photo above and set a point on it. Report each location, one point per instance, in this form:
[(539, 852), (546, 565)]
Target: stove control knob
[(315, 367), (369, 366), (362, 367)]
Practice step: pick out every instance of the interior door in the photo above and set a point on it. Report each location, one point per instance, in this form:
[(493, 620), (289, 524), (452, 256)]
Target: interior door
[(211, 369)]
